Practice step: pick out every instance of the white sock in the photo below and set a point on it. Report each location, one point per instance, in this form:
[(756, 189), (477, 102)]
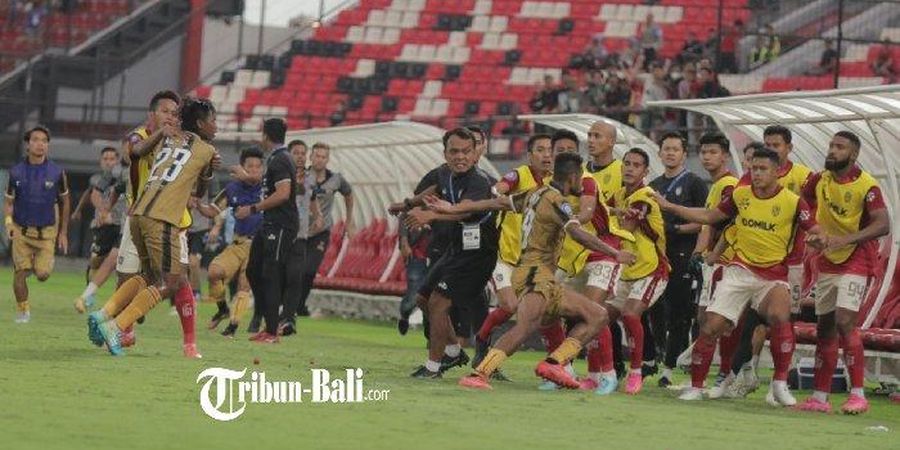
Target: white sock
[(610, 374), (570, 370), (858, 391), (754, 362), (452, 350), (432, 366), (90, 290), (667, 373), (637, 371), (820, 396), (779, 383), (594, 376)]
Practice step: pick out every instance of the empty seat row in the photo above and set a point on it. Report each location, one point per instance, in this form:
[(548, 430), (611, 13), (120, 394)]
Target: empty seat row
[(547, 10), (400, 19), (611, 12), (429, 53)]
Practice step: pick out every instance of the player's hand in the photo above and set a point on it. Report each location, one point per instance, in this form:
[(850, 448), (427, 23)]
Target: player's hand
[(663, 203), (213, 236), (170, 130), (626, 258), (418, 218), (439, 205), (242, 212), (405, 251), (216, 161), (711, 258), (395, 209), (317, 225), (349, 230), (696, 263), (817, 241), (62, 242), (193, 202)]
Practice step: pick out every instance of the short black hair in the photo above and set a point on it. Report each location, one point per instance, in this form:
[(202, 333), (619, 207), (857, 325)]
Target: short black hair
[(780, 130), (251, 152), (194, 110), (754, 146), (460, 132), (565, 164), (639, 151), (109, 149), (564, 134), (850, 136), (320, 145), (296, 142), (163, 95), (674, 135), (717, 139), (537, 137), (476, 129), (40, 128), (767, 153), (275, 129)]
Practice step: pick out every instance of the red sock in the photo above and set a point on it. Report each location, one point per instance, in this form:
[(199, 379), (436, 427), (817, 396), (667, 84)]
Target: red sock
[(854, 358), (728, 345), (781, 338), (600, 356), (554, 335), (494, 319), (826, 361), (184, 304), (701, 358), (635, 331)]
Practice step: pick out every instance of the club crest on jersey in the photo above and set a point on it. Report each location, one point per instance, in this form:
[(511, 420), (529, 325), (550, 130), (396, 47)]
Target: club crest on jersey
[(567, 209), (847, 197), (48, 184), (678, 191), (776, 210), (744, 203)]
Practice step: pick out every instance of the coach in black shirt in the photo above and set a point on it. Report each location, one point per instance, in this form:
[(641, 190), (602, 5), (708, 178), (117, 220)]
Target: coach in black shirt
[(671, 316), (457, 278), (268, 264)]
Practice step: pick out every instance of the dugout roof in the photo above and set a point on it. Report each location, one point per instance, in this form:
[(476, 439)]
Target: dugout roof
[(813, 117), (626, 136), (383, 161)]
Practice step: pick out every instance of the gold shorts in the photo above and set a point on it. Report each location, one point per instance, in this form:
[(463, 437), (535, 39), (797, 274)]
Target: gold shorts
[(233, 259), (161, 246), (541, 280), (34, 250)]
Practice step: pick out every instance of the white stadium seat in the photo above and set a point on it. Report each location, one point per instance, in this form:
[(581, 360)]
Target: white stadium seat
[(243, 77), (432, 88), (390, 36), (355, 34), (490, 41), (608, 12), (373, 34), (481, 24), (410, 19), (376, 18), (482, 7), (508, 41), (443, 54), (498, 24)]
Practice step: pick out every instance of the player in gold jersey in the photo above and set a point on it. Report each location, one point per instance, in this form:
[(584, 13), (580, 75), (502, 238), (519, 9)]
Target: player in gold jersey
[(182, 167)]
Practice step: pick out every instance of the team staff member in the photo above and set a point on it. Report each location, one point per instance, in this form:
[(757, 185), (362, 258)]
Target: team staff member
[(459, 276), (267, 269), (325, 184), (766, 220), (35, 225), (851, 209), (671, 317)]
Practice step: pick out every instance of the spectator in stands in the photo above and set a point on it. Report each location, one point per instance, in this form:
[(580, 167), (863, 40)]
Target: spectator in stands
[(596, 54), (768, 47), (595, 91), (414, 246), (728, 47), (618, 97), (655, 88), (339, 114), (650, 36), (688, 88), (883, 66), (546, 99), (570, 99), (709, 85), (828, 61), (692, 50), (34, 20)]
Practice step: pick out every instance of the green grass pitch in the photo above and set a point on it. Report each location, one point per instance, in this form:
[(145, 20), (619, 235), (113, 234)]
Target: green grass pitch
[(59, 391)]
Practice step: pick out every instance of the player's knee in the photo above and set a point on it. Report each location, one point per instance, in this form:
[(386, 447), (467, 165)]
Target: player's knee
[(845, 323), (215, 273), (41, 275)]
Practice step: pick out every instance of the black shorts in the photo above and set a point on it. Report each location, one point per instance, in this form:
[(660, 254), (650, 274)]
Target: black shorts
[(195, 242), (106, 238), (460, 277)]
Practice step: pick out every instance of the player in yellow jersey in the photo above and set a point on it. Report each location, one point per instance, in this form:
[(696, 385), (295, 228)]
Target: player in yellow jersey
[(851, 209), (547, 218), (182, 167), (521, 179), (715, 158), (767, 217), (641, 284)]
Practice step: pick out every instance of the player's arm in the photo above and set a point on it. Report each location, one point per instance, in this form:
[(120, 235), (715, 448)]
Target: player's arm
[(8, 200), (238, 173), (696, 215), (592, 242), (85, 196), (216, 230), (416, 201), (66, 205), (283, 177), (215, 208), (141, 147), (347, 192), (588, 200)]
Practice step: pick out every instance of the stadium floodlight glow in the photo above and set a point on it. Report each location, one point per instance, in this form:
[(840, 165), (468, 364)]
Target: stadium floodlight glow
[(873, 113)]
